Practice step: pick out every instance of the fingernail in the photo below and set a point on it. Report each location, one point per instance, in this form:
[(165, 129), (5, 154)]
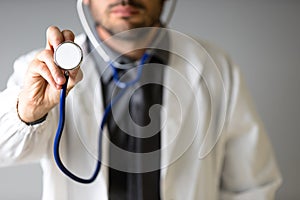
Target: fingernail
[(58, 86)]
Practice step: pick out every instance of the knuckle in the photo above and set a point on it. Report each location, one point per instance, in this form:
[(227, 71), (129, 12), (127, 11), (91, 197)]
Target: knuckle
[(32, 64), (41, 67), (38, 67), (44, 55)]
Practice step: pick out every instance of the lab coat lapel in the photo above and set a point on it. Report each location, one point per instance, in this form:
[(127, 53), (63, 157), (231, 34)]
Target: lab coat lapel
[(181, 83), (194, 104)]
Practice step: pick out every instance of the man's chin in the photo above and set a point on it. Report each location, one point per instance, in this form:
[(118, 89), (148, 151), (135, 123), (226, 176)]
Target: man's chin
[(131, 33), (127, 30)]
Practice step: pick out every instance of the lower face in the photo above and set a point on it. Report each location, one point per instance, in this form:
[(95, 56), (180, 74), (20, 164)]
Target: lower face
[(115, 17)]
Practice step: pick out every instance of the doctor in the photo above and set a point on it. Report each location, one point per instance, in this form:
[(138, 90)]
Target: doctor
[(205, 141)]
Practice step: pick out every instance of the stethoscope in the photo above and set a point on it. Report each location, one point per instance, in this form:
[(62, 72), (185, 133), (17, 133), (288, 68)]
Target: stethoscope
[(68, 56)]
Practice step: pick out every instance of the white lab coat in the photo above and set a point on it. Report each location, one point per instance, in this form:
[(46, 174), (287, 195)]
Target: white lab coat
[(241, 165)]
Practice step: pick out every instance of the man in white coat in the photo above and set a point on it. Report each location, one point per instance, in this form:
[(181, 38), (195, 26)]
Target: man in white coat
[(207, 141)]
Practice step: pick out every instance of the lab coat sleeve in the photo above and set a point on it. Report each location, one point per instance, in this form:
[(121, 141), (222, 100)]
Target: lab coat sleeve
[(20, 143), (250, 170)]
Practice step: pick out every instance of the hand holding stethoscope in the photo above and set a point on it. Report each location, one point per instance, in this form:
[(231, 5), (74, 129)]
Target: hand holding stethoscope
[(43, 79)]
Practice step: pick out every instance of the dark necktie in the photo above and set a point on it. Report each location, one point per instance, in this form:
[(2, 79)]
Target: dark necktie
[(125, 185)]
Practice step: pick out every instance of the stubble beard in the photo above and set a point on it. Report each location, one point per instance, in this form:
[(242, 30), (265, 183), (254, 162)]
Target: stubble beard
[(128, 32)]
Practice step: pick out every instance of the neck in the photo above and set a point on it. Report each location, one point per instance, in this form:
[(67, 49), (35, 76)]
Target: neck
[(132, 44)]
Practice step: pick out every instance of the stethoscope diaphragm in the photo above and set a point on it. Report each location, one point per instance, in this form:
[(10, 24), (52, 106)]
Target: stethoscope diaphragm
[(68, 55)]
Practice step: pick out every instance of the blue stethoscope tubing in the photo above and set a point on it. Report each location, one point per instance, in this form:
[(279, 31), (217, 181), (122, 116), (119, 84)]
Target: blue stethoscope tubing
[(123, 86), (57, 140)]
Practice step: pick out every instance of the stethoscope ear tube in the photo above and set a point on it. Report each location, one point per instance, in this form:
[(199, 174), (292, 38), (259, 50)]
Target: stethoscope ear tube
[(57, 139)]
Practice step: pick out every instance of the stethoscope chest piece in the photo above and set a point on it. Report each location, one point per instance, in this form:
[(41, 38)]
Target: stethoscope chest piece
[(68, 55)]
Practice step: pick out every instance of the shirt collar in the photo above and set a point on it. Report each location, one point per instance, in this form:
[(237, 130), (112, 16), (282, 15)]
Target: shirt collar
[(159, 54)]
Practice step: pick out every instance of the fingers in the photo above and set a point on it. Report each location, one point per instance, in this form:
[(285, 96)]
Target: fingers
[(57, 78), (44, 62), (45, 67), (55, 37), (76, 75), (44, 78), (40, 69), (68, 35)]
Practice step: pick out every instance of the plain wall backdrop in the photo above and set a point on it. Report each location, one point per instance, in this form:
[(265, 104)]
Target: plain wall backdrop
[(262, 37)]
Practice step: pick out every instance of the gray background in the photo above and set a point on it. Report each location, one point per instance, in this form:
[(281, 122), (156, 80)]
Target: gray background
[(262, 36)]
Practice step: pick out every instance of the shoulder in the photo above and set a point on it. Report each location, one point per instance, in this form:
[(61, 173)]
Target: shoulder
[(217, 54), (193, 48), (217, 58)]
